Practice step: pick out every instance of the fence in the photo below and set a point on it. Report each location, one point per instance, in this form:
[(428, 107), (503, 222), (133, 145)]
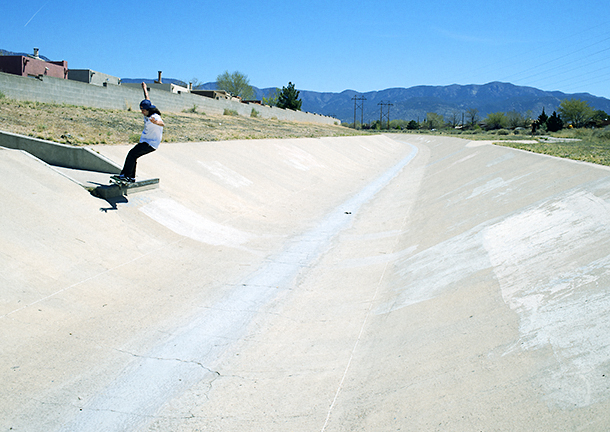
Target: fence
[(55, 90)]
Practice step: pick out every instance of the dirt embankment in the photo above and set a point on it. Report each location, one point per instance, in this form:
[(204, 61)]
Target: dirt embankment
[(76, 125)]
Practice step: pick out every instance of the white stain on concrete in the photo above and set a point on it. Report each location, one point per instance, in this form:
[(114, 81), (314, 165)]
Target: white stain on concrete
[(433, 271), (497, 185), (299, 158), (186, 222), (553, 265), (225, 174), (552, 262)]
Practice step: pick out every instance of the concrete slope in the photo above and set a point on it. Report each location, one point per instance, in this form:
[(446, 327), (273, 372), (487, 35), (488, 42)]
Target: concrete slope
[(363, 283)]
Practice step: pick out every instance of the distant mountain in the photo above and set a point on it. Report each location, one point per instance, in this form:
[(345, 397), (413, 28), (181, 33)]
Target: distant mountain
[(150, 81), (10, 53), (413, 103)]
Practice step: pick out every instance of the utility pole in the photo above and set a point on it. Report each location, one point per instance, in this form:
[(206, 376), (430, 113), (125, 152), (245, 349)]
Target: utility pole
[(357, 106), (387, 114)]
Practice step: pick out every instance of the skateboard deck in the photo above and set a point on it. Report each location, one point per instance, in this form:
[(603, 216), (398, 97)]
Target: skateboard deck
[(117, 181)]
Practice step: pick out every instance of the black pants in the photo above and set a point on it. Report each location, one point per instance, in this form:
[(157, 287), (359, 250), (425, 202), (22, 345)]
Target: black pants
[(140, 149)]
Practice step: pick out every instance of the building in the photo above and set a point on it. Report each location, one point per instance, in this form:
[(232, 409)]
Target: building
[(214, 94), (92, 77), (160, 85), (33, 65)]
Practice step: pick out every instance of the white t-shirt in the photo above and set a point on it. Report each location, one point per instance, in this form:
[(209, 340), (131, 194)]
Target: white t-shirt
[(152, 133)]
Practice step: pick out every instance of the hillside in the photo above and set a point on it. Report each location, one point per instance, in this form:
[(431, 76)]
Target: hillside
[(69, 124)]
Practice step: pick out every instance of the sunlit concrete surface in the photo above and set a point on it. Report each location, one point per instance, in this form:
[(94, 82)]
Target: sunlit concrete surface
[(399, 282)]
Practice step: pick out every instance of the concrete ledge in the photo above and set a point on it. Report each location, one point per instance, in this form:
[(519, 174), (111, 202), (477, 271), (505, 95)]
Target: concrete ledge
[(115, 190), (60, 154)]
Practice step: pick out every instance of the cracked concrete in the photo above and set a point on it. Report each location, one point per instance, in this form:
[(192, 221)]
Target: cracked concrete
[(363, 283)]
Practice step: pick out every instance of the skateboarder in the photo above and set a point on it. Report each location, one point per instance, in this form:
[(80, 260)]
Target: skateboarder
[(149, 141)]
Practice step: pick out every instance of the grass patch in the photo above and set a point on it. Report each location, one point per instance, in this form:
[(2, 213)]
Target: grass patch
[(587, 145), (594, 148)]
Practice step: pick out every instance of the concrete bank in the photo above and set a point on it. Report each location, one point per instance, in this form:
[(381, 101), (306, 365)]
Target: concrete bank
[(364, 283), (55, 90)]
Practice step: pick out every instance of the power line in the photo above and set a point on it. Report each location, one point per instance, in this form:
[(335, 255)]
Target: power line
[(567, 50), (570, 54), (386, 115), (536, 52), (360, 106)]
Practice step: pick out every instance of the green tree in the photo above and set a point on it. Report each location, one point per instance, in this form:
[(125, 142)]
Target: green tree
[(575, 111), (398, 124), (515, 119), (599, 119), (413, 125), (496, 120), (434, 121), (289, 98), (554, 123), (542, 118), (235, 83), (272, 97)]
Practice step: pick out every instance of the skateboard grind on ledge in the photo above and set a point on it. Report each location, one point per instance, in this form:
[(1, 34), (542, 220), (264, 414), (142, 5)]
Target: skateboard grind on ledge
[(149, 141)]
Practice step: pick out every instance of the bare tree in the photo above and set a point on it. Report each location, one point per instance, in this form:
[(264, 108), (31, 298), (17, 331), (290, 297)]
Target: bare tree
[(473, 116)]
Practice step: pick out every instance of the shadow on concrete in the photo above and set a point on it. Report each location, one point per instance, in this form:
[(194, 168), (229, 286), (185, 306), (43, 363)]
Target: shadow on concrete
[(113, 202)]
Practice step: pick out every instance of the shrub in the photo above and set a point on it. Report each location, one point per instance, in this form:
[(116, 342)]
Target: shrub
[(554, 123), (190, 110), (413, 125), (229, 112), (254, 113), (603, 134)]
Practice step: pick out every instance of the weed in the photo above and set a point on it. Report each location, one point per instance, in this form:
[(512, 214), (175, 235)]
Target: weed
[(254, 113), (191, 110), (229, 112)]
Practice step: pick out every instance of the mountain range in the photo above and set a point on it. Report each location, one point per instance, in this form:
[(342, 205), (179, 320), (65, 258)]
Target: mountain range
[(454, 100), (414, 102)]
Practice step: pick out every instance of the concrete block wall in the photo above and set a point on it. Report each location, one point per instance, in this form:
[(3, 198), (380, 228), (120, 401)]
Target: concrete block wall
[(54, 90)]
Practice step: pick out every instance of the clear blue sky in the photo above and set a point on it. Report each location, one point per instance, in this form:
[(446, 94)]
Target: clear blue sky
[(329, 45)]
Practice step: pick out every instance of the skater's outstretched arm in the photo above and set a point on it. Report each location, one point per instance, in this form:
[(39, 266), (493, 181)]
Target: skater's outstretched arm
[(145, 91)]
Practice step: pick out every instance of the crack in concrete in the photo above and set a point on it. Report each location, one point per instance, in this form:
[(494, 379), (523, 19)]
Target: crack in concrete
[(170, 359)]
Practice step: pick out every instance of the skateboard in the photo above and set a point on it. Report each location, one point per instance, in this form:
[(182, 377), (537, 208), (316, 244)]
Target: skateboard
[(115, 179)]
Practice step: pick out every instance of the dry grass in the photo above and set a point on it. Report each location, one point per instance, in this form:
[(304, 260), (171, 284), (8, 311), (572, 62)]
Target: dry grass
[(76, 125)]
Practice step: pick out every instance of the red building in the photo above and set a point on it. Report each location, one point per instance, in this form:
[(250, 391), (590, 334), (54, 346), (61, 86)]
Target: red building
[(32, 65)]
